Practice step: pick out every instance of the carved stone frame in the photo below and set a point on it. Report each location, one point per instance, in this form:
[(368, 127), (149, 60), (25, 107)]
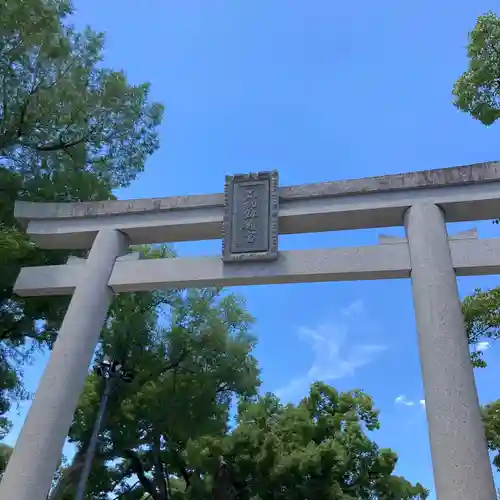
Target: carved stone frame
[(272, 253)]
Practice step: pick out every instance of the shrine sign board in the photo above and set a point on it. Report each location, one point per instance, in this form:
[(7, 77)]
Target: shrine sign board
[(250, 225)]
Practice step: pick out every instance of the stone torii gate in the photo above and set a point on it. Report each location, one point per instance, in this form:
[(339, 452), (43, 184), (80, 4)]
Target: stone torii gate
[(250, 212)]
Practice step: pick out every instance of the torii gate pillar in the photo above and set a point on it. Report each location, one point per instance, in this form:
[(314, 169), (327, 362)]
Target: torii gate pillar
[(459, 454), (38, 449)]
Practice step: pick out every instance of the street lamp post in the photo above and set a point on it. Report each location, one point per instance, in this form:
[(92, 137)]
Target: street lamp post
[(110, 371)]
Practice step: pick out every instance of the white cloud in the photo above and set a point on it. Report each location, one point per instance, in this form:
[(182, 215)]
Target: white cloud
[(354, 310), (334, 356), (483, 346), (403, 400)]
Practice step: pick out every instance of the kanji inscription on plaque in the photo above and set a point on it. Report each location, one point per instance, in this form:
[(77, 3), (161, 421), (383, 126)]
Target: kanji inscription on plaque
[(250, 231)]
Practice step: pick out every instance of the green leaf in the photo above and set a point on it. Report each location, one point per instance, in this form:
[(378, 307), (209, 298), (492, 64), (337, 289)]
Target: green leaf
[(481, 312), (477, 91), (70, 130)]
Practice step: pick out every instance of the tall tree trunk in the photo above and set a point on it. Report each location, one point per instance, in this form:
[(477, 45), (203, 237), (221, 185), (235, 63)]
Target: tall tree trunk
[(138, 470), (159, 472), (224, 487), (69, 477)]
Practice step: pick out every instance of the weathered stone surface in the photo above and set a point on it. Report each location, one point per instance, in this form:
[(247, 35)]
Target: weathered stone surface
[(250, 227), (38, 447), (468, 174), (312, 208), (459, 451), (477, 173), (470, 257)]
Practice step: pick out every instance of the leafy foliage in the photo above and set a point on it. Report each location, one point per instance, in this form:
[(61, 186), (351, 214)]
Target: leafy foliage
[(317, 449), (482, 319), (61, 108), (190, 355), (169, 434), (70, 130), (5, 453), (477, 91), (491, 418)]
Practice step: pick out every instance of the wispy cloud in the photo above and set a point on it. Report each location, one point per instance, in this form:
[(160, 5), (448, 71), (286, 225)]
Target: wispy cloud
[(354, 310), (404, 401), (483, 346), (334, 356)]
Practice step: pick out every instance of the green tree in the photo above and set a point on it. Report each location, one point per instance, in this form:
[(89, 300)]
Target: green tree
[(70, 130), (491, 417), (168, 435), (482, 320), (5, 453), (316, 449), (190, 354), (477, 91), (61, 108)]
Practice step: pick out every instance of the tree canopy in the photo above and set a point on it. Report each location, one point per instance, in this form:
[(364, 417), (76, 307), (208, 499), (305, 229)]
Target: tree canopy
[(63, 113), (5, 453), (316, 449), (319, 448), (477, 91), (190, 353), (491, 417), (482, 320), (70, 130)]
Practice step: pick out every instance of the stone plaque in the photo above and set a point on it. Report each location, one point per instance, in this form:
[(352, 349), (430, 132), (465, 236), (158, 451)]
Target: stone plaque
[(250, 231)]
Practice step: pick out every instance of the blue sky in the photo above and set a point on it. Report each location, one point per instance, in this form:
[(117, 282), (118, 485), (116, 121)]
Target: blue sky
[(320, 91)]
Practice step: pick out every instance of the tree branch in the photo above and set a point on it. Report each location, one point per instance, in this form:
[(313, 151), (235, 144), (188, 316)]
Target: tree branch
[(68, 477), (176, 363), (159, 473), (124, 475), (61, 145), (223, 387), (138, 469), (128, 490), (186, 476)]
